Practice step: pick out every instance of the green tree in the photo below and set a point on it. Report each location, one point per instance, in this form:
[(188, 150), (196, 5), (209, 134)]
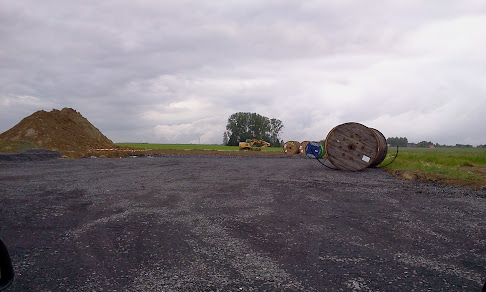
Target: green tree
[(397, 141), (225, 138), (275, 127), (243, 125), (424, 144)]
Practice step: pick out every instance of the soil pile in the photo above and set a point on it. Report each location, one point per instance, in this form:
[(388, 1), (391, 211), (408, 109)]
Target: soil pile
[(66, 131), (7, 146)]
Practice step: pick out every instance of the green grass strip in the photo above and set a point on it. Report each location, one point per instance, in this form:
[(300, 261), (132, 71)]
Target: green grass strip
[(448, 162), (189, 147)]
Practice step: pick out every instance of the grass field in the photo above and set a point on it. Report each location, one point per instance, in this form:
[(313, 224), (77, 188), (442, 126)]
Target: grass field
[(189, 147), (466, 164)]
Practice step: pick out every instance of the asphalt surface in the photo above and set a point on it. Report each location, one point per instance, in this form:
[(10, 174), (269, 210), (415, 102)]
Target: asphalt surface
[(235, 223)]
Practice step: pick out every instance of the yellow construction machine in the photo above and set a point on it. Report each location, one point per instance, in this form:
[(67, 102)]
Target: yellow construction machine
[(254, 144)]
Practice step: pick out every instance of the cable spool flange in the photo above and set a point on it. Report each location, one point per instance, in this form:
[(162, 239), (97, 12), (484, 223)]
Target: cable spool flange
[(302, 146), (382, 148)]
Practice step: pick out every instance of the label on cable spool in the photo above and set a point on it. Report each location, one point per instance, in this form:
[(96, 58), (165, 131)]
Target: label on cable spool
[(365, 158)]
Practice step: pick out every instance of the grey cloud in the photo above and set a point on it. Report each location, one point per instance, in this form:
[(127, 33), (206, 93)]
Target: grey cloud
[(138, 70)]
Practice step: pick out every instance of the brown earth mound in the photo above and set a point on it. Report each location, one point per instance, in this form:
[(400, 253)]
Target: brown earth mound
[(8, 146), (66, 131)]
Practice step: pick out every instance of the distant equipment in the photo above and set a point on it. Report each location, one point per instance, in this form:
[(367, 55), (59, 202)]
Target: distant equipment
[(253, 144)]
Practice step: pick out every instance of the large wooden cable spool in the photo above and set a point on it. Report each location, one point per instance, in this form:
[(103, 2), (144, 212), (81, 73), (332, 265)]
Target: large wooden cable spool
[(302, 146), (291, 147), (354, 147)]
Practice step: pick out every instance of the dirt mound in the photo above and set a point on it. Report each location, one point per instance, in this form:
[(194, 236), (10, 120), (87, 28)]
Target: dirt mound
[(7, 146), (66, 131)]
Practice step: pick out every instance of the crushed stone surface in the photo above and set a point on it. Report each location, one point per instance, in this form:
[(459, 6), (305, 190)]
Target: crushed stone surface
[(235, 223)]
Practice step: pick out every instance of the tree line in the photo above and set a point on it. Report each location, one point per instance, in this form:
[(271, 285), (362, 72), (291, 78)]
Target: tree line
[(244, 125), (403, 142), (397, 141)]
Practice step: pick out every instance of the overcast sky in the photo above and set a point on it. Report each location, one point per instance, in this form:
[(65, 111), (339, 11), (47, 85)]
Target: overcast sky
[(174, 71)]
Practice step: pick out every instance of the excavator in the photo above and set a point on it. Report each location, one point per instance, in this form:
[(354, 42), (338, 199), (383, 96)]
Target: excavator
[(253, 144)]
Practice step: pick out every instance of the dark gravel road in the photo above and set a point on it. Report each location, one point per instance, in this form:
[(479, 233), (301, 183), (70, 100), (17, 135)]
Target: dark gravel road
[(232, 223)]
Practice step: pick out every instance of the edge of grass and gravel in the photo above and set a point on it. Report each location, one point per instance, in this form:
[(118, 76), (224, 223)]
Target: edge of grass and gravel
[(454, 166)]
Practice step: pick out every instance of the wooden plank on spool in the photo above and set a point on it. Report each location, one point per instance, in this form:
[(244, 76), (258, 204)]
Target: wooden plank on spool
[(351, 146)]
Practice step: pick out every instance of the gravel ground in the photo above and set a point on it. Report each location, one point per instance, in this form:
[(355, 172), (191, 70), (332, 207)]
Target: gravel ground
[(235, 223)]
